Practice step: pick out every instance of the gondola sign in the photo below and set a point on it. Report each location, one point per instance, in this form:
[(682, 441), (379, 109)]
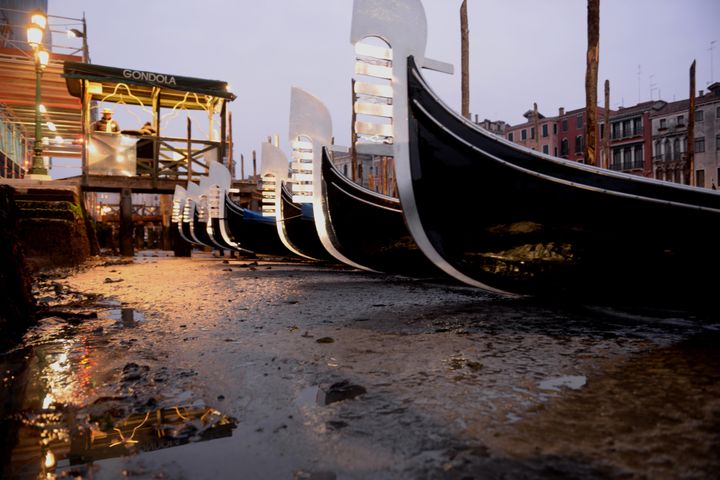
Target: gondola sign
[(149, 77)]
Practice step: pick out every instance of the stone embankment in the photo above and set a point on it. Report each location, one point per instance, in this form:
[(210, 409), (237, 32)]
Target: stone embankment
[(41, 228)]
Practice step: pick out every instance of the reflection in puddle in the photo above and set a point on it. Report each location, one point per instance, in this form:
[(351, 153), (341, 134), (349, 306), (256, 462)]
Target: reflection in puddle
[(52, 441), (56, 419)]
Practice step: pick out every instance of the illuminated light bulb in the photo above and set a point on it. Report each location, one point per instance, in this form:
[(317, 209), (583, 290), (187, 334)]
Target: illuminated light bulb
[(39, 19), (43, 57), (51, 126), (34, 35), (59, 140), (42, 108)]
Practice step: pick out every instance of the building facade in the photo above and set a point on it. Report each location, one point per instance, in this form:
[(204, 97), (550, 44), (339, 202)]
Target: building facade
[(670, 140), (544, 140), (631, 138)]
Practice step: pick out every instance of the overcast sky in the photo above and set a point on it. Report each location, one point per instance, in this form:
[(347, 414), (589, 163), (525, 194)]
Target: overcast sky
[(522, 51)]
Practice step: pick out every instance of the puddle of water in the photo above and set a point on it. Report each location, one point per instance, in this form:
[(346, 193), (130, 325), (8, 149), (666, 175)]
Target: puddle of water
[(53, 443), (57, 418), (574, 382)]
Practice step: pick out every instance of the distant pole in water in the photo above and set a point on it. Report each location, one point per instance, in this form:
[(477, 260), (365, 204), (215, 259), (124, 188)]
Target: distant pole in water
[(606, 137), (242, 167), (254, 166), (591, 75), (231, 145), (537, 126), (691, 128), (465, 60), (353, 136)]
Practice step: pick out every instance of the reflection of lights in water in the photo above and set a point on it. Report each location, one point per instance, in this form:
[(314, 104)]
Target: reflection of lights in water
[(47, 401), (131, 440), (49, 459)]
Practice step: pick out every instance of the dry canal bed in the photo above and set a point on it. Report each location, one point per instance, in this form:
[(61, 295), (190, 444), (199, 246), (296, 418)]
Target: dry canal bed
[(197, 368)]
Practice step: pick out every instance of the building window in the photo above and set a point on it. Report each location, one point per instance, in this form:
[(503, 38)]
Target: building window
[(700, 145), (699, 115), (532, 132), (564, 125), (680, 121), (523, 134), (544, 131), (345, 169), (627, 125), (663, 123), (554, 128), (676, 149), (638, 163), (717, 112), (616, 130), (700, 178), (602, 130), (564, 148), (510, 136), (555, 151), (617, 159), (637, 126), (580, 121), (717, 143), (578, 144), (546, 149)]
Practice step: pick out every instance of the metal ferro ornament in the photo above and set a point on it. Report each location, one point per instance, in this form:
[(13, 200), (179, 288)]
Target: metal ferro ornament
[(311, 126), (220, 182), (402, 24), (275, 168)]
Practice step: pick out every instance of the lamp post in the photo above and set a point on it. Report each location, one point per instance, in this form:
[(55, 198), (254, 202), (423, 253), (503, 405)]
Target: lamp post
[(35, 31)]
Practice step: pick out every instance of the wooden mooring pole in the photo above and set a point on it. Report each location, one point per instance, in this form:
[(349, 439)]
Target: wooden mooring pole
[(465, 59), (126, 223), (606, 137), (691, 128), (254, 155), (591, 75)]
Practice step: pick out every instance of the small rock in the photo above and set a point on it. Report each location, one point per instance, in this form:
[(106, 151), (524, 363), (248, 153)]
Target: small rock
[(325, 340), (342, 391), (221, 397), (227, 269)]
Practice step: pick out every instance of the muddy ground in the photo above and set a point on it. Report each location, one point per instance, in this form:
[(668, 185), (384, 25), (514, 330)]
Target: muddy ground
[(205, 368)]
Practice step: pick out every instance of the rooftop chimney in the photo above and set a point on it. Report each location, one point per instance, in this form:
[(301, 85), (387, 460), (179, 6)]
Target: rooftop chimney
[(700, 93), (561, 111)]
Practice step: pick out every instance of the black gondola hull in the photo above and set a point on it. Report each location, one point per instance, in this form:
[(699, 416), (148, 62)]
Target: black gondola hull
[(253, 234), (525, 223), (368, 228), (300, 228)]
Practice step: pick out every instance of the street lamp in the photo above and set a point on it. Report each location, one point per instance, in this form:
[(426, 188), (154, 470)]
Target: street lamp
[(35, 30)]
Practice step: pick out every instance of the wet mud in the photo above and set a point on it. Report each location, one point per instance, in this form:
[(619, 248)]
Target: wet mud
[(211, 368)]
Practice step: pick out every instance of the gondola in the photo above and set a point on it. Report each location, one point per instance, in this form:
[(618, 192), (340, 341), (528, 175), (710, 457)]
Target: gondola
[(506, 218), (253, 231), (296, 231), (543, 225), (368, 227), (298, 225), (190, 223), (206, 207), (178, 208)]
